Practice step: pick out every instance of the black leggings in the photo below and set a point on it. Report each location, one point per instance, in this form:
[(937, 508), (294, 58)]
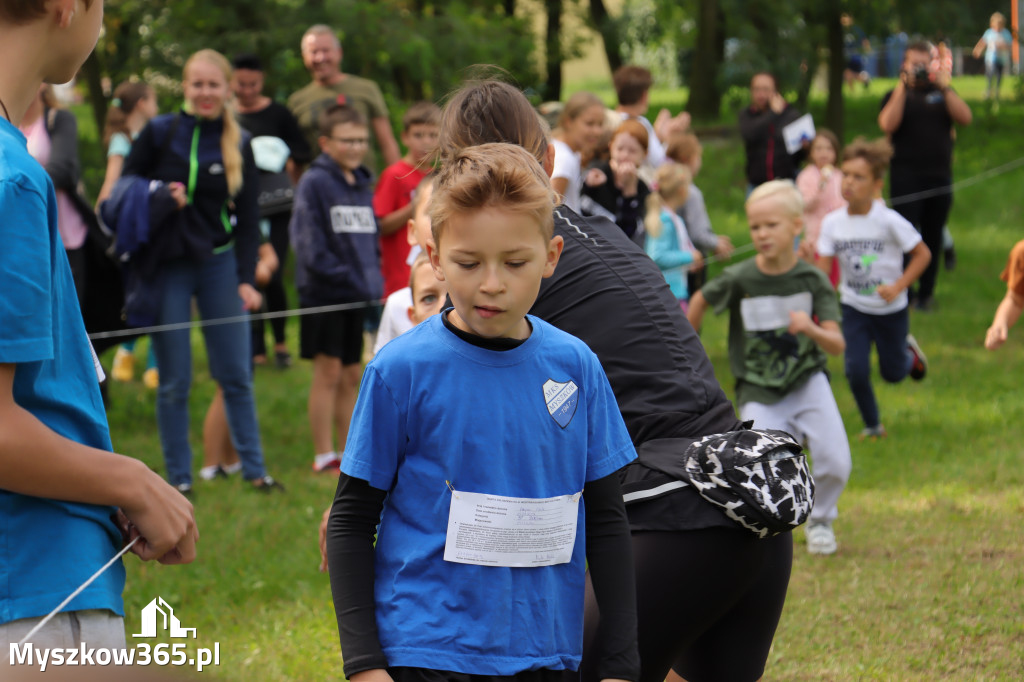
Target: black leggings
[(708, 603)]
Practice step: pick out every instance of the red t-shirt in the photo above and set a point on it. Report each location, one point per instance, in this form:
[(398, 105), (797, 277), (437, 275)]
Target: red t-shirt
[(394, 191)]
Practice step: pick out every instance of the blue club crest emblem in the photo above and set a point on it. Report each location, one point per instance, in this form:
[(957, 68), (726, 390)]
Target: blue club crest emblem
[(561, 399)]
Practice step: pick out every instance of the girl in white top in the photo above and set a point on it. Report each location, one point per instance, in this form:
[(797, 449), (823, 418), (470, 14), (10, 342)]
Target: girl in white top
[(579, 131)]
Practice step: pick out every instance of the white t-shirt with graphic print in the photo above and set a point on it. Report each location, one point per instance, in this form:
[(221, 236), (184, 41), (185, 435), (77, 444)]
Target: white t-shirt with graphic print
[(870, 251)]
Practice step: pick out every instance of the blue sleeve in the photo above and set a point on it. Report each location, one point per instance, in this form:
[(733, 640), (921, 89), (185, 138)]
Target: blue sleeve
[(119, 145), (609, 447), (376, 435), (664, 249), (26, 324)]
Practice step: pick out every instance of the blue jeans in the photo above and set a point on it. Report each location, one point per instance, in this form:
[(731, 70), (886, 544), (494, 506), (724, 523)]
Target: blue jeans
[(214, 283), (889, 334)]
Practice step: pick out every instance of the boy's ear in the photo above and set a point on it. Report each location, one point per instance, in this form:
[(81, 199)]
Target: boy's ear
[(549, 160), (411, 312), (323, 142), (410, 231), (435, 260), (554, 252)]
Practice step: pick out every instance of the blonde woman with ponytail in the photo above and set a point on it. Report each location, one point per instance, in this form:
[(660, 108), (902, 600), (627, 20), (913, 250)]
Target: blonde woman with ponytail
[(205, 249), (668, 243)]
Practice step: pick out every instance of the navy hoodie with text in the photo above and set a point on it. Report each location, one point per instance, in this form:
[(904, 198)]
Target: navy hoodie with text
[(334, 234)]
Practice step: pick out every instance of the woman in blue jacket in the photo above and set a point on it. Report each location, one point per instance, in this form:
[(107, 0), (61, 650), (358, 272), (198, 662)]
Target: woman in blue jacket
[(209, 252)]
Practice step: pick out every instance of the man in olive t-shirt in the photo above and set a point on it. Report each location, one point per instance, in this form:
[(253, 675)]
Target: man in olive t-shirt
[(321, 53)]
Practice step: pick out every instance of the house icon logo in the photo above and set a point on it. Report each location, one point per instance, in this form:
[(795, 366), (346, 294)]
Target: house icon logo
[(159, 613)]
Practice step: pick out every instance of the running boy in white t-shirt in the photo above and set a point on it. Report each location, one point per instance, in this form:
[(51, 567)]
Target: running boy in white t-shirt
[(476, 434), (783, 319), (870, 241)]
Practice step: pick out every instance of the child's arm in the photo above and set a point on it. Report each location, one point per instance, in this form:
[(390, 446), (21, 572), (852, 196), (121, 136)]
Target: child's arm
[(114, 165), (1007, 314), (610, 561), (387, 200), (824, 263), (392, 222), (37, 461), (350, 554), (698, 306), (827, 335), (920, 256)]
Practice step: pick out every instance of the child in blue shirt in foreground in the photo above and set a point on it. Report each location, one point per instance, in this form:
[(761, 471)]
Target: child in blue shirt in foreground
[(477, 433)]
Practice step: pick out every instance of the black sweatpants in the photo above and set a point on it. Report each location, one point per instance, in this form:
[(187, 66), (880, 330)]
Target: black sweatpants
[(928, 215), (708, 603)]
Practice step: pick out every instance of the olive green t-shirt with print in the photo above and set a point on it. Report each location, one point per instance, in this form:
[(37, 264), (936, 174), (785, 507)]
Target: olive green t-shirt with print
[(767, 361), (361, 94)]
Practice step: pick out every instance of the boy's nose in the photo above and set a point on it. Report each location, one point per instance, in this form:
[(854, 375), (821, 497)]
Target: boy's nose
[(491, 283)]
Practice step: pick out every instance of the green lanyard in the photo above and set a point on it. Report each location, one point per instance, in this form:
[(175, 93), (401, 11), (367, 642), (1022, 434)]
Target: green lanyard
[(193, 175)]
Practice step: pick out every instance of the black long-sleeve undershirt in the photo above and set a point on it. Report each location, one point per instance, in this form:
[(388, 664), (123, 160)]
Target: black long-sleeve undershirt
[(350, 554)]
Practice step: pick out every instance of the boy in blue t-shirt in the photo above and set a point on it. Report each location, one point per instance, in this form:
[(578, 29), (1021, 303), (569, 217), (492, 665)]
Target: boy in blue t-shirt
[(473, 440), (65, 499)]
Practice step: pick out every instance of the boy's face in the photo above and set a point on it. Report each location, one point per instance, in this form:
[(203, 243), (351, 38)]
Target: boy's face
[(419, 224), (247, 85), (859, 183), (493, 261), (427, 294), (421, 140), (772, 228), (78, 41), (347, 145)]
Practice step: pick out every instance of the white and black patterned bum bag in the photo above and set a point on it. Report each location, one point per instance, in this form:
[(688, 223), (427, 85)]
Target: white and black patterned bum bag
[(758, 477)]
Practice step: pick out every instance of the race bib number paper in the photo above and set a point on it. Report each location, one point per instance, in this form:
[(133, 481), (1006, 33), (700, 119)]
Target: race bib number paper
[(491, 530)]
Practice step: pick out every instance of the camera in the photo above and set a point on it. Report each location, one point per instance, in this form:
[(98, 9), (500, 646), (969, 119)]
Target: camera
[(922, 77)]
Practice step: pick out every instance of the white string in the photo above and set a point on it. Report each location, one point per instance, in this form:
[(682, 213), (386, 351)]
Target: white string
[(142, 331), (74, 594)]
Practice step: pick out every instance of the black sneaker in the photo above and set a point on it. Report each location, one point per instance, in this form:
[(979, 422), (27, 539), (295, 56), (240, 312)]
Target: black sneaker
[(185, 489), (266, 484), (919, 369), (283, 359), (949, 258)]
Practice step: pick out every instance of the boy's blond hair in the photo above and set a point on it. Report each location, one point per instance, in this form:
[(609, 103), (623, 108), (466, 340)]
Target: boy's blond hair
[(495, 175), (421, 259), (785, 194), (877, 153)]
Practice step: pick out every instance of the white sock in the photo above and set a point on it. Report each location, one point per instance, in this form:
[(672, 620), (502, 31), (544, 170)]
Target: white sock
[(233, 468), (325, 458)]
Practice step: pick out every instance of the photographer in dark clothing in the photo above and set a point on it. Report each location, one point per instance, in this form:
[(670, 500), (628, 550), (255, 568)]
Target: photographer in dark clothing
[(918, 115), (761, 126)]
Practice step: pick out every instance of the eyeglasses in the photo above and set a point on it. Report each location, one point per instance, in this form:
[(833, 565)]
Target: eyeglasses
[(352, 141)]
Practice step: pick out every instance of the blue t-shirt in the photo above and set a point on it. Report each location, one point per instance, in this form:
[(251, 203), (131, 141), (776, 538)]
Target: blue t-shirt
[(119, 145), (997, 45), (47, 548), (433, 408)]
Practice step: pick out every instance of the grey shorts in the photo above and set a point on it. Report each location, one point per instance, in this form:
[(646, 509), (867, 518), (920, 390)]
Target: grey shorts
[(96, 628)]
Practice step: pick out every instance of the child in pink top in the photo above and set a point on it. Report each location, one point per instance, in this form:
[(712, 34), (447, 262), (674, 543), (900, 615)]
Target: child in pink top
[(820, 184)]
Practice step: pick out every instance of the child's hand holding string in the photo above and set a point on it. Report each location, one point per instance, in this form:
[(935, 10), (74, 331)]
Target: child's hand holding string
[(889, 292)]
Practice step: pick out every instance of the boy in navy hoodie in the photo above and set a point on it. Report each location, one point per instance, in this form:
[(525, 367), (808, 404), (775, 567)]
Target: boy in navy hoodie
[(337, 260)]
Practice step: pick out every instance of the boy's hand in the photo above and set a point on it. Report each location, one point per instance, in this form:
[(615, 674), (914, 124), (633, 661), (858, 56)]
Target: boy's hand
[(805, 251), (799, 322), (724, 248), (996, 336), (889, 292), (165, 521), (323, 540), (665, 124), (251, 298)]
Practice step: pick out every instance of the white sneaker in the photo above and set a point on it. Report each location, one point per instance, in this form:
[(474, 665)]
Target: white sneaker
[(821, 539)]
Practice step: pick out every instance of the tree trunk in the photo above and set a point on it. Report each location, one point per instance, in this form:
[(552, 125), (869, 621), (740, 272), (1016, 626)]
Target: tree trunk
[(836, 62), (705, 95), (553, 51), (93, 73), (609, 31), (510, 8)]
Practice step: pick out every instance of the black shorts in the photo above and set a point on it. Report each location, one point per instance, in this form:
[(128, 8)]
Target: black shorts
[(336, 334), (427, 675)]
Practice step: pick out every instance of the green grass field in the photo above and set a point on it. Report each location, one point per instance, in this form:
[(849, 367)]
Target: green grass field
[(929, 579)]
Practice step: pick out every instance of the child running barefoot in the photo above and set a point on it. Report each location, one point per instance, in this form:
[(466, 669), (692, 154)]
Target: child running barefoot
[(133, 105), (783, 319), (478, 566), (668, 243), (870, 242), (820, 183)]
